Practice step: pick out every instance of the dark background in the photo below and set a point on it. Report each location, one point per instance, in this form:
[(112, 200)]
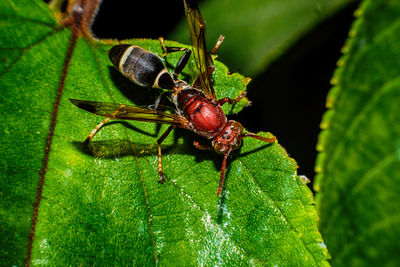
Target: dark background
[(297, 83)]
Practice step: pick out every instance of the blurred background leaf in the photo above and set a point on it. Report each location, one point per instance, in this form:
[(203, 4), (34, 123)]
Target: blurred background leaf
[(259, 31), (359, 166)]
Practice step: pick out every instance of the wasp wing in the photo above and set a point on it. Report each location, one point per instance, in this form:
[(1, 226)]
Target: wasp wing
[(126, 112), (204, 62)]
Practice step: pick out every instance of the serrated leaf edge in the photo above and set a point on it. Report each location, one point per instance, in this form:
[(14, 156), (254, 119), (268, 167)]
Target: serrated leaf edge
[(334, 94)]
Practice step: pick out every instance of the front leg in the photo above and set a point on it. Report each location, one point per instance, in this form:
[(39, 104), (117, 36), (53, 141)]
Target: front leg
[(218, 44), (197, 145), (230, 100), (182, 61), (158, 100), (223, 167)]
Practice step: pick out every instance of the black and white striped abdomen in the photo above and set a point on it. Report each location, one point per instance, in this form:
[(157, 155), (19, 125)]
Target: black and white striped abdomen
[(141, 66)]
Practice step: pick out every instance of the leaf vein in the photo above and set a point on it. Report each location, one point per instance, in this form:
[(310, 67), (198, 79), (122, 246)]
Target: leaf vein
[(27, 49), (7, 17)]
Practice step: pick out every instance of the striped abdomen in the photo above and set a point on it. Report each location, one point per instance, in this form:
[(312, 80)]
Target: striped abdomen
[(141, 66)]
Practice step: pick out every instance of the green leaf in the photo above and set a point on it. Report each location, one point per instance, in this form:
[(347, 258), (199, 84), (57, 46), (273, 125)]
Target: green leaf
[(103, 205), (259, 31), (359, 180)]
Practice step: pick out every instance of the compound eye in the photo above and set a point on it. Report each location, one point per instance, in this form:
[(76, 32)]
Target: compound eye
[(235, 126), (237, 145), (218, 146)]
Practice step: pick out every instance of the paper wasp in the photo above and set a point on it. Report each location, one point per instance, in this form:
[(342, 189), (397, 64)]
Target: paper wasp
[(197, 108)]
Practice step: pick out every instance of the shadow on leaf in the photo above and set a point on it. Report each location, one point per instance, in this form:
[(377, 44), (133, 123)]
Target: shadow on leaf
[(140, 96), (254, 150), (135, 129), (109, 149)]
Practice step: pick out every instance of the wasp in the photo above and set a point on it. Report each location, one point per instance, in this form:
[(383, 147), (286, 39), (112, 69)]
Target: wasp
[(196, 106)]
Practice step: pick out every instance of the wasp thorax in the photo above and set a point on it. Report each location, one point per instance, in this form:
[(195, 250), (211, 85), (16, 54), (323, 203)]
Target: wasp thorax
[(228, 137)]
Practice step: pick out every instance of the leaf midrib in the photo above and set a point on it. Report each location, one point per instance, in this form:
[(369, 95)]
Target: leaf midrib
[(48, 144)]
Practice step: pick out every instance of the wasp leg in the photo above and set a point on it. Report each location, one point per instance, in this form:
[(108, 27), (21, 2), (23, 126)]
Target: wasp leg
[(158, 100), (182, 61), (200, 146), (211, 69), (258, 137), (95, 130), (223, 167), (159, 141), (230, 100), (218, 44), (162, 41)]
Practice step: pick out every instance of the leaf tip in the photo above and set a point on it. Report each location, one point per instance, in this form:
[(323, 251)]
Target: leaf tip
[(246, 80)]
